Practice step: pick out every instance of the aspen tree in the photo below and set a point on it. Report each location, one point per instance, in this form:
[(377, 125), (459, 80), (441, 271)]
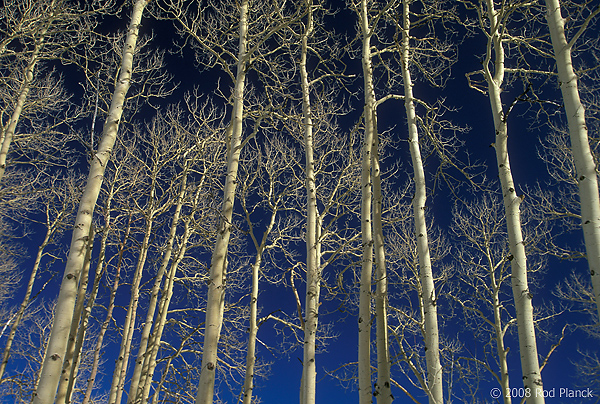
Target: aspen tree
[(372, 231), (480, 225), (52, 366), (218, 265), (522, 296), (311, 310), (432, 354), (587, 177), (40, 37), (57, 211)]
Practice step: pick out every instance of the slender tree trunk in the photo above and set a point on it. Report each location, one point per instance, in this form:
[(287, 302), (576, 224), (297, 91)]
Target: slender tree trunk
[(52, 366), (522, 296), (51, 229), (364, 309), (154, 345), (432, 353), (253, 326), (142, 350), (89, 306), (500, 331), (218, 267), (309, 369), (24, 91), (120, 371), (109, 310), (383, 388), (587, 178)]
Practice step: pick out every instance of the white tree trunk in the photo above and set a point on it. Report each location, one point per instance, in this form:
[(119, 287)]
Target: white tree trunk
[(253, 326), (364, 309), (500, 331), (383, 389), (142, 350), (109, 310), (582, 156), (23, 93), (216, 291), (432, 350), (51, 228), (52, 366), (522, 296), (311, 311), (120, 370)]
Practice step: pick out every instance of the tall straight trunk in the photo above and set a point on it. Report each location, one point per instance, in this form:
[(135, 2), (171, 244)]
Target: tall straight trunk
[(522, 296), (150, 361), (428, 296), (309, 369), (500, 331), (142, 350), (24, 90), (216, 288), (57, 344), (383, 389), (364, 309), (587, 178), (91, 301), (253, 326), (120, 370), (109, 310)]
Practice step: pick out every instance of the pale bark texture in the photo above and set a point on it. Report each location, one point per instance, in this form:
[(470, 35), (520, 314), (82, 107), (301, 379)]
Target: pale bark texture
[(216, 287), (120, 370), (429, 298), (134, 394), (52, 226), (23, 93), (311, 311), (364, 309), (522, 296), (52, 366), (587, 178), (253, 326)]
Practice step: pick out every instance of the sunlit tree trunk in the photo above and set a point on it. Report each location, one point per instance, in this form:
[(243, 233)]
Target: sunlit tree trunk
[(109, 310), (364, 309), (500, 331), (587, 178), (120, 370), (383, 388), (24, 90), (429, 298), (142, 349), (522, 296), (216, 292), (253, 320), (309, 369), (57, 344), (51, 228)]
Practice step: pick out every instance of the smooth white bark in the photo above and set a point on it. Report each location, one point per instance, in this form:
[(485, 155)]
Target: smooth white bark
[(134, 394), (428, 296), (52, 366), (216, 287), (521, 294), (24, 92), (311, 311), (587, 177), (365, 294)]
